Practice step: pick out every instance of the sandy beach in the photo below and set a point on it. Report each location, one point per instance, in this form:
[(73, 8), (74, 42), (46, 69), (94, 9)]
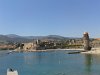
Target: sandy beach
[(93, 51)]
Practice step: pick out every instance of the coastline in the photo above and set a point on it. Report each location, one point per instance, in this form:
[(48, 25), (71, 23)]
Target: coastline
[(93, 51), (81, 51), (33, 50)]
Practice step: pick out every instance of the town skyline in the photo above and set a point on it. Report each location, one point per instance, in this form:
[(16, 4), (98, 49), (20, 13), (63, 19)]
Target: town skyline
[(68, 18)]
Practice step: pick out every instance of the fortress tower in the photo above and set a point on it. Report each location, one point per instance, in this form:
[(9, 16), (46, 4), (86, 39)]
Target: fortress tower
[(86, 41)]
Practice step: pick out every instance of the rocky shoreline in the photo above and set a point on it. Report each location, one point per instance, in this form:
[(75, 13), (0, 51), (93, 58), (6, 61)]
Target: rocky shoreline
[(93, 51)]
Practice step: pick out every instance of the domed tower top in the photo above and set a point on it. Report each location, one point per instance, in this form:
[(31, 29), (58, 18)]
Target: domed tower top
[(85, 33)]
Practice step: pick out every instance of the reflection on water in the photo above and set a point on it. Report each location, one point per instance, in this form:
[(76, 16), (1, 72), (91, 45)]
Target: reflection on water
[(88, 63), (92, 64), (33, 58), (51, 63)]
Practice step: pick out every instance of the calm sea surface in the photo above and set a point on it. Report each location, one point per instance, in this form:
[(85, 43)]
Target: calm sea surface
[(50, 63)]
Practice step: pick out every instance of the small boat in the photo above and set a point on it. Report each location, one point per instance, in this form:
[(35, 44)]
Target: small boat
[(12, 72)]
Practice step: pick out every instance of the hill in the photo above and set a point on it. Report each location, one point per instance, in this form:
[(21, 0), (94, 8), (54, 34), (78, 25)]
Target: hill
[(16, 38)]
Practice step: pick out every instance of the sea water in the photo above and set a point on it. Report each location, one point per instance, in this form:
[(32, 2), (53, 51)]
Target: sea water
[(50, 63)]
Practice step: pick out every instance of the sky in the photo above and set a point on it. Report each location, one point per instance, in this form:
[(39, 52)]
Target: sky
[(70, 18)]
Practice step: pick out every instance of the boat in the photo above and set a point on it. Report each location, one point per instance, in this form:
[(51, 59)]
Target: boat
[(12, 72)]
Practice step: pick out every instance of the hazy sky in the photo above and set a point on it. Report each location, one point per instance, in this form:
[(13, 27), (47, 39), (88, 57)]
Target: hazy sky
[(48, 17)]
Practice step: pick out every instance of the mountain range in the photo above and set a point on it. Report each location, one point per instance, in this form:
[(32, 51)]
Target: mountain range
[(17, 38)]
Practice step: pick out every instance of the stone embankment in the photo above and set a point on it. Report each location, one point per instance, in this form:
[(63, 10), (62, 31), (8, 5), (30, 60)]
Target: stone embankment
[(93, 51)]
